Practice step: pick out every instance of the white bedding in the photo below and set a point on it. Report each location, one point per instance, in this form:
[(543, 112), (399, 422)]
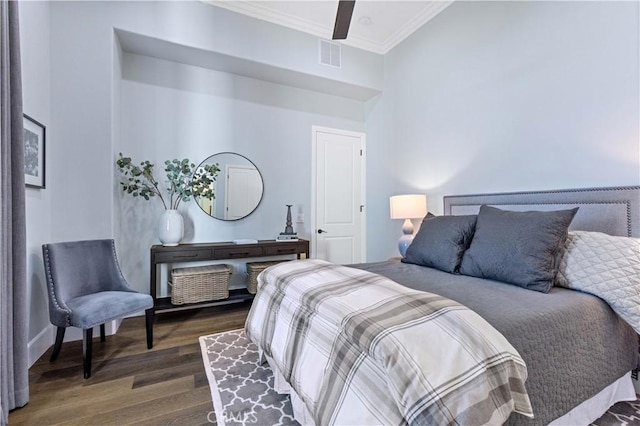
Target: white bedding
[(585, 413), (593, 408)]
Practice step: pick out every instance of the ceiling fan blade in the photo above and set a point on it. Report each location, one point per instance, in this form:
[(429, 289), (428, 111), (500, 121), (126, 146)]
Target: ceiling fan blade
[(343, 19)]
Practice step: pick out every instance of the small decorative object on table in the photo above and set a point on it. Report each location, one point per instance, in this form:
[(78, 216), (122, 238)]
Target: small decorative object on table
[(288, 234), (184, 181), (245, 241)]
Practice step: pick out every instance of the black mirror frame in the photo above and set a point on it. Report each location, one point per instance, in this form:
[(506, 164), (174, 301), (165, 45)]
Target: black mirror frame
[(206, 160)]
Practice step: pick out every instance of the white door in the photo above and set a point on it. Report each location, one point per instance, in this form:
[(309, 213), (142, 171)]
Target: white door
[(339, 220), (243, 191)]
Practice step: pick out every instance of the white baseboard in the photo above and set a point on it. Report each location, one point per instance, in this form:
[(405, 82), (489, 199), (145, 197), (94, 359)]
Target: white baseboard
[(39, 344), (46, 338)]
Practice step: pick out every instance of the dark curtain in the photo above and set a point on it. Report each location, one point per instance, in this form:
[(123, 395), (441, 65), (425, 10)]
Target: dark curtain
[(14, 377)]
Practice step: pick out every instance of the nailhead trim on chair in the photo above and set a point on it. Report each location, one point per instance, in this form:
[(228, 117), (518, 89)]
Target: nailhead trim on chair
[(50, 280), (115, 258)]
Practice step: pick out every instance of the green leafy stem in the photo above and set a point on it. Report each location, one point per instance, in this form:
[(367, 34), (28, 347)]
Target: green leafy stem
[(184, 180)]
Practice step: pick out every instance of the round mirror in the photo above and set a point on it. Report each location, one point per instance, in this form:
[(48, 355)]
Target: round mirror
[(236, 190)]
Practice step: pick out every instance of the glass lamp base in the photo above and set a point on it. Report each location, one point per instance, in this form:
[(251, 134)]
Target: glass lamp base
[(403, 244), (405, 241)]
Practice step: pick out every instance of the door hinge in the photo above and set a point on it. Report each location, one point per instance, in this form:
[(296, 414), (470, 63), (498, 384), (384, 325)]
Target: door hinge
[(361, 208), (360, 153)]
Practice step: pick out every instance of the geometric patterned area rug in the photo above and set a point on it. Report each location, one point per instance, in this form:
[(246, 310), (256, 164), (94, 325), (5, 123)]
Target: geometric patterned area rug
[(241, 388), (243, 394), (625, 413)]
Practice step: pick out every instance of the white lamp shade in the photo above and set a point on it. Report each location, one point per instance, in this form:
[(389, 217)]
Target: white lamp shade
[(410, 206)]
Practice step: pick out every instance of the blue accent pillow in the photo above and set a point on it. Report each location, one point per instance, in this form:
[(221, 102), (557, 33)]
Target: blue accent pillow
[(441, 242), (518, 248)]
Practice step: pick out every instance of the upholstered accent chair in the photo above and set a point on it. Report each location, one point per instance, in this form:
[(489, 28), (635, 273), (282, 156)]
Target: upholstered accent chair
[(86, 288)]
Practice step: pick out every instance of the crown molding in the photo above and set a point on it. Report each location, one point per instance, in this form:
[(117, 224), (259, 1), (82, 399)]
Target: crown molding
[(427, 14), (258, 11)]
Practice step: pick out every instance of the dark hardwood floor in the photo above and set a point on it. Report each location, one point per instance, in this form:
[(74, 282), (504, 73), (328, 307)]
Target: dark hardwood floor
[(130, 384)]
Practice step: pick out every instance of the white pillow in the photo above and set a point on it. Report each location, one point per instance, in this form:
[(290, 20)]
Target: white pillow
[(605, 266)]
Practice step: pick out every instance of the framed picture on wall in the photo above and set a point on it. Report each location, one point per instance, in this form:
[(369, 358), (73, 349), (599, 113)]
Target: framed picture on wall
[(34, 152)]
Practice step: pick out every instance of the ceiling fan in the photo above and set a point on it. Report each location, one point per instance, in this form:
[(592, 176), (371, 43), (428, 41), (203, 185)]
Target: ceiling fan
[(343, 19)]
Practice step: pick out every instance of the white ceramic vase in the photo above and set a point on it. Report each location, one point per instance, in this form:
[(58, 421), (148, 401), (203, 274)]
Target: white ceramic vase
[(170, 228)]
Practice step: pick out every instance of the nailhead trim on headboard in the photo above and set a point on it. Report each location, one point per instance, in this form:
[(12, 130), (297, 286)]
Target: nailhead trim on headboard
[(629, 196)]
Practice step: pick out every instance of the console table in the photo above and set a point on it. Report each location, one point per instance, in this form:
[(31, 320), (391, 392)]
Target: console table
[(198, 252)]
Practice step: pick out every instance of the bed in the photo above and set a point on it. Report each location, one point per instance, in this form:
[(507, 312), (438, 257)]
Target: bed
[(578, 352)]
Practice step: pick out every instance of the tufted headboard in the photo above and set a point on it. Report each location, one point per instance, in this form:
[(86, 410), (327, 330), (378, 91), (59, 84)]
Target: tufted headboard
[(615, 210)]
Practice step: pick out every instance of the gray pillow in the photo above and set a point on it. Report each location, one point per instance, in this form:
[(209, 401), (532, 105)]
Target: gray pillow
[(518, 248), (441, 242)]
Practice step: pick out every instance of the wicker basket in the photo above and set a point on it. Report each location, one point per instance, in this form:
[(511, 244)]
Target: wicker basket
[(254, 269), (200, 284)]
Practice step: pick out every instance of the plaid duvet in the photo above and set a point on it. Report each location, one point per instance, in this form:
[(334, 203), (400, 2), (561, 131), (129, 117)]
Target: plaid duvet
[(358, 348)]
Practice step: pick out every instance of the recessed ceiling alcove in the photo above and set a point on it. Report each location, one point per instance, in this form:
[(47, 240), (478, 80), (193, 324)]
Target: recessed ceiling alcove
[(162, 49)]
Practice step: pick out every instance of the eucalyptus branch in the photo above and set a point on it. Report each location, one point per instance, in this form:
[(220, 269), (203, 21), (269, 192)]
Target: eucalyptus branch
[(154, 183), (184, 180)]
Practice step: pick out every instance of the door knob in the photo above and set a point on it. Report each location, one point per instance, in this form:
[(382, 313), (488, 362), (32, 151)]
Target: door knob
[(320, 231)]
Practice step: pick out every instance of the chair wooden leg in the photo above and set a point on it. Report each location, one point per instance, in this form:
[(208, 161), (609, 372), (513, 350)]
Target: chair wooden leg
[(58, 345), (102, 333), (149, 314), (87, 343)]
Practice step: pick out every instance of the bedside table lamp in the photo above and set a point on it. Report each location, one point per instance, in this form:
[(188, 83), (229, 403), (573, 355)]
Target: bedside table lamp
[(407, 207)]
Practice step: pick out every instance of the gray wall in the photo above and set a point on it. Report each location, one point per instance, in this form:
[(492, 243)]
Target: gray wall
[(508, 96)]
